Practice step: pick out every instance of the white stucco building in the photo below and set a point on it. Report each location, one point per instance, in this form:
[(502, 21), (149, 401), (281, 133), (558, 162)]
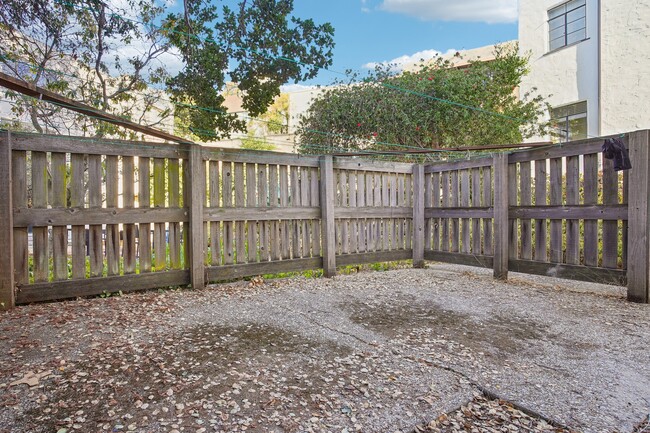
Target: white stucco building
[(593, 58)]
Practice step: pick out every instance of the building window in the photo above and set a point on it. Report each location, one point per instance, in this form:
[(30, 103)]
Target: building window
[(569, 122), (567, 24)]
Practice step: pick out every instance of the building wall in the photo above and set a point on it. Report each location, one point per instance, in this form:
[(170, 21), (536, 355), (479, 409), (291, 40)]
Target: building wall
[(626, 66), (566, 75)]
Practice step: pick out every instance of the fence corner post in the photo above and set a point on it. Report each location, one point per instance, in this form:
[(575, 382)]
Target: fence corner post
[(418, 216), (638, 247), (7, 286), (197, 196), (501, 216), (327, 214)]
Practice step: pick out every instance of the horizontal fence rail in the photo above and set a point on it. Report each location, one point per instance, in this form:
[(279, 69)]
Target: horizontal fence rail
[(83, 217)]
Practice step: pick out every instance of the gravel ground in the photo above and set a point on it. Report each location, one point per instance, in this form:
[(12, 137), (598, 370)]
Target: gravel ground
[(372, 352)]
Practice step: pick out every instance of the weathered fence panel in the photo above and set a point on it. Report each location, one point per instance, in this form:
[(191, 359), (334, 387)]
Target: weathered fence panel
[(85, 216)]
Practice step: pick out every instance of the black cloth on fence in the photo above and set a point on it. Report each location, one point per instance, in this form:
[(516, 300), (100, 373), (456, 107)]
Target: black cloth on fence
[(614, 148)]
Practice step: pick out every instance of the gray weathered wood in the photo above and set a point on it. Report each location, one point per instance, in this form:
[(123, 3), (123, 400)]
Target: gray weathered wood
[(39, 200), (230, 272), (439, 167), (215, 226), (197, 196), (352, 203), (476, 202), (575, 148), (501, 226), (304, 201), (610, 228), (385, 201), (573, 212), (259, 157), (228, 234), (428, 203), (436, 203), (525, 187), (112, 230), (240, 201), (284, 202), (459, 212), (513, 227), (455, 202), (464, 202), (361, 202), (296, 248), (374, 257), (274, 201), (638, 255), (573, 198), (159, 238), (7, 283), (263, 202), (173, 192), (128, 201), (570, 272), (557, 251), (327, 218), (314, 195), (476, 260), (486, 201), (77, 199), (19, 199), (343, 224), (59, 170), (541, 234), (372, 165), (418, 216), (590, 191), (445, 203), (251, 202), (144, 202)]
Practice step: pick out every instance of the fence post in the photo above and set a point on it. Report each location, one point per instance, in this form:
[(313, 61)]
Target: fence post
[(327, 214), (638, 247), (7, 299), (197, 196), (418, 216), (501, 216)]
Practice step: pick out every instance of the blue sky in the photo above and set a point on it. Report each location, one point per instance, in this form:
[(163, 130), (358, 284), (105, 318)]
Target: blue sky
[(368, 31)]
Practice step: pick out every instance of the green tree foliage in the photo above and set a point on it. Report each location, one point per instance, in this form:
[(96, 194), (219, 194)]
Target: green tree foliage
[(407, 108), (115, 51)]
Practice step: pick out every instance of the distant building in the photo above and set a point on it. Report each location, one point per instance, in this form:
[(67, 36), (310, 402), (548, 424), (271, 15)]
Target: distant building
[(593, 58)]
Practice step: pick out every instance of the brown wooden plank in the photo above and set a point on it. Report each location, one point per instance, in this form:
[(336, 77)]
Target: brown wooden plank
[(570, 272), (525, 199), (197, 198), (455, 202), (251, 202), (374, 257), (541, 251), (440, 167), (77, 199), (240, 200), (590, 192), (228, 233), (296, 248), (453, 212), (7, 266), (610, 228), (59, 170), (40, 239), (572, 198), (486, 201), (26, 217), (408, 222), (436, 203), (557, 250), (445, 203), (626, 187), (128, 200), (230, 272), (369, 222), (173, 176), (352, 203), (263, 202), (285, 240), (19, 199), (343, 202), (513, 228), (112, 230), (159, 241), (385, 202), (475, 260), (144, 203), (95, 244), (392, 223), (377, 241), (374, 212), (186, 193), (464, 203), (315, 202), (57, 290), (259, 157), (476, 202), (428, 203), (371, 165), (575, 148), (361, 202), (327, 218), (305, 188), (418, 216), (502, 225), (215, 226), (638, 284)]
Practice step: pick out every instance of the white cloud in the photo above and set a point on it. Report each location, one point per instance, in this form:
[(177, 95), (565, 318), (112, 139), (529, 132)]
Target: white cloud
[(408, 59), (295, 88), (489, 11)]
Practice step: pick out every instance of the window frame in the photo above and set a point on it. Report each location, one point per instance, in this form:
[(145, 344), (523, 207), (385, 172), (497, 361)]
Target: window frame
[(563, 17), (573, 111)]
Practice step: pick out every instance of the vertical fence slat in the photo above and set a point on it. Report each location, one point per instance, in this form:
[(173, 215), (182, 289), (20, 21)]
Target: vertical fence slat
[(436, 203), (370, 201), (377, 222), (251, 201), (263, 201), (513, 232), (39, 200), (315, 202), (19, 200), (295, 202), (284, 202), (540, 200), (304, 201), (7, 283), (240, 199), (59, 169), (128, 197), (327, 215), (361, 202), (215, 226), (638, 272), (556, 200), (464, 202), (487, 202), (173, 173), (77, 200), (197, 197), (573, 198), (428, 222), (385, 202), (112, 230), (525, 183), (352, 182), (343, 224), (455, 223), (590, 192), (502, 226), (159, 241), (95, 201), (144, 201), (626, 192), (275, 226), (228, 244), (610, 228), (418, 216), (476, 202), (445, 203)]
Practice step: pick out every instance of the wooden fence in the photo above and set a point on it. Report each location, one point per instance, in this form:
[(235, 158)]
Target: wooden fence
[(80, 217)]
